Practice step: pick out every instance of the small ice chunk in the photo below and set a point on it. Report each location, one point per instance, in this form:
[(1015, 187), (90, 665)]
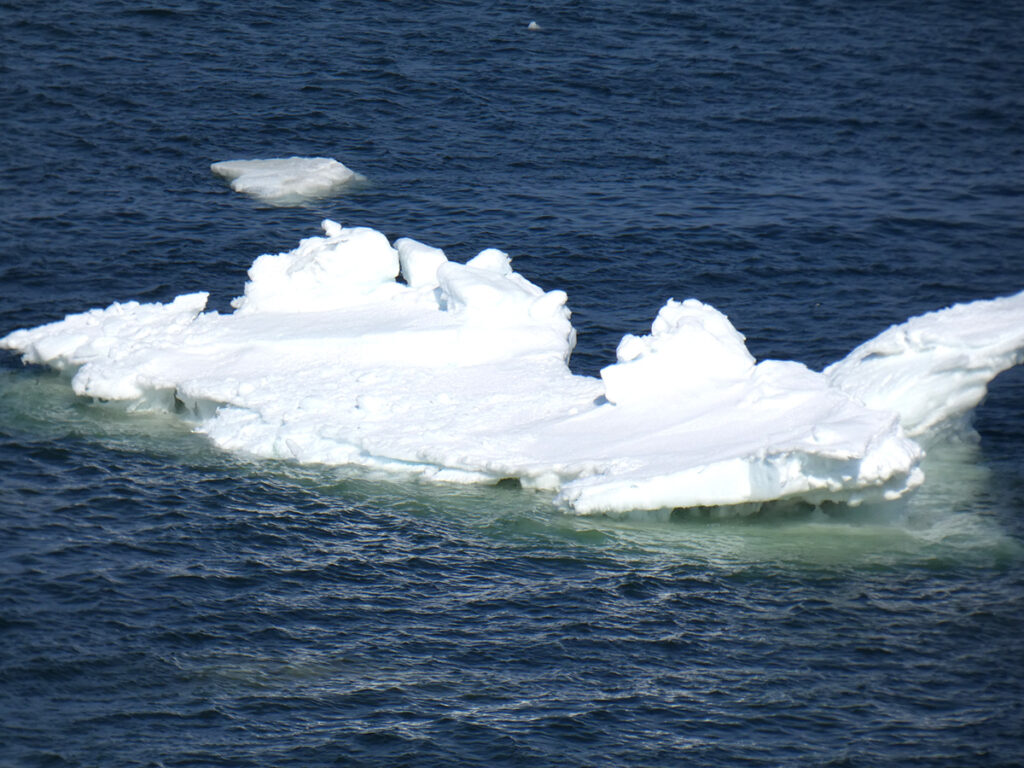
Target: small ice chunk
[(492, 260), (487, 292), (286, 181), (691, 346), (419, 263), (323, 273)]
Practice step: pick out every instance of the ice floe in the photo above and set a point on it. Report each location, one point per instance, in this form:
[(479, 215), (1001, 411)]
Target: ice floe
[(351, 350), (288, 180)]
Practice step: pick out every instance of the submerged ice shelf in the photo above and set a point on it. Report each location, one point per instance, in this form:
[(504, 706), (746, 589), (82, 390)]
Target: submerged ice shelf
[(458, 372)]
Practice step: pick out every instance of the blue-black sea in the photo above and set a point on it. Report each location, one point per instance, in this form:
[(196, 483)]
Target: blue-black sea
[(816, 170)]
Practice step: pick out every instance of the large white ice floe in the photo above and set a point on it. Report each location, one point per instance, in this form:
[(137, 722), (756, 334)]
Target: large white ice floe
[(458, 372), (286, 180)]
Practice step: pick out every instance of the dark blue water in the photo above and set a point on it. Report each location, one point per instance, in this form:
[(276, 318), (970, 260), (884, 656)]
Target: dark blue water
[(815, 170)]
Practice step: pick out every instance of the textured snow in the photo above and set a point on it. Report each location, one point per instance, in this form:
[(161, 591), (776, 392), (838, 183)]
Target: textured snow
[(934, 369), (458, 372)]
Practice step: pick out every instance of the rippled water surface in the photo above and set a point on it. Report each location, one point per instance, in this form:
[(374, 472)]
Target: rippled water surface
[(815, 170)]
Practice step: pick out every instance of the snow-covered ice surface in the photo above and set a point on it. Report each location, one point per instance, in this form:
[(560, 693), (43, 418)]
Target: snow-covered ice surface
[(934, 369), (458, 372), (287, 180)]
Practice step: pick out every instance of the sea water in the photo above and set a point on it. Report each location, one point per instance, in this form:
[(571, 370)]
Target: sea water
[(815, 171)]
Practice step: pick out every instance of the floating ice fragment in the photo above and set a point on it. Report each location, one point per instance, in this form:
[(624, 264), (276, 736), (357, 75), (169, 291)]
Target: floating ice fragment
[(286, 181), (458, 374)]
